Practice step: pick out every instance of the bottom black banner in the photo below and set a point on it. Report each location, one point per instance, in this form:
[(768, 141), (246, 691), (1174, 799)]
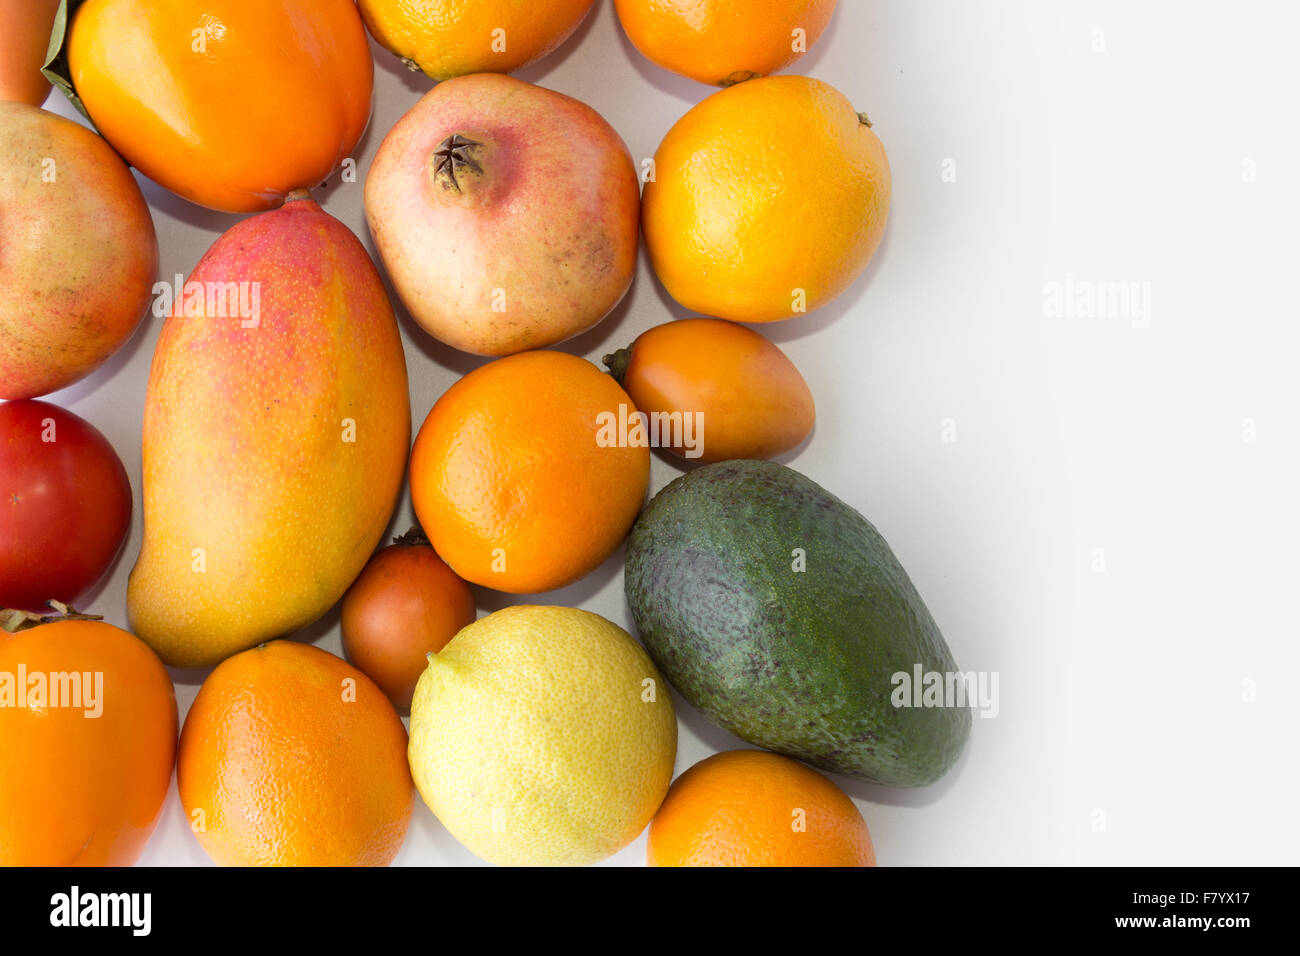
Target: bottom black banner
[(1173, 905)]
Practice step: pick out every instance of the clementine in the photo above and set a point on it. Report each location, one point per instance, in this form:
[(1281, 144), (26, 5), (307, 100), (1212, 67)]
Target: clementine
[(723, 41), (292, 757), (754, 808), (517, 477), (447, 38)]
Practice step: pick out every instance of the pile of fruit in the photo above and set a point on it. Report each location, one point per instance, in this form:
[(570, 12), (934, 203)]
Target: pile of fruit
[(277, 436)]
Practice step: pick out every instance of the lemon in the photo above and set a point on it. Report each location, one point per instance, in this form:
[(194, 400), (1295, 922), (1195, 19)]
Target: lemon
[(542, 736)]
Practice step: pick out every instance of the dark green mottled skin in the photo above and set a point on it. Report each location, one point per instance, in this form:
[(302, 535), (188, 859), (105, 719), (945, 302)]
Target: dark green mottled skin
[(799, 663)]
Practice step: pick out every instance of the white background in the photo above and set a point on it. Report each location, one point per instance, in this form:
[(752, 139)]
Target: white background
[(1112, 142)]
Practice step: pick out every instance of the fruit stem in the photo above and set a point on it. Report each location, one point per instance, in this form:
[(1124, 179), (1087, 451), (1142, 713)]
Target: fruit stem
[(617, 363), (414, 538), (862, 118), (14, 620), (297, 195)]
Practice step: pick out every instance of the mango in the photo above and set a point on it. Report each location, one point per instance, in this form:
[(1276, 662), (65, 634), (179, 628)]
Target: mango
[(276, 428)]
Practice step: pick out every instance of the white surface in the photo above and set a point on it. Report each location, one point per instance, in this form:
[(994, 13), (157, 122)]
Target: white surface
[(1122, 691)]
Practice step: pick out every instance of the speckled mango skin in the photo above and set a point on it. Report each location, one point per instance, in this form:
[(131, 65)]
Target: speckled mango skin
[(797, 662), (243, 445)]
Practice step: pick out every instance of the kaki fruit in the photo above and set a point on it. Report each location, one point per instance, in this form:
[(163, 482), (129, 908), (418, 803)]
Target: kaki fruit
[(292, 757), (405, 605), (276, 429), (23, 43), (78, 257), (447, 38), (232, 104), (506, 214), (724, 390), (722, 42), (754, 808), (512, 481), (87, 741), (768, 200)]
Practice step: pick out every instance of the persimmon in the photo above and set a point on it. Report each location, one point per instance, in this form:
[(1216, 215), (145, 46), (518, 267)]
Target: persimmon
[(717, 390), (87, 742), (23, 43), (232, 104)]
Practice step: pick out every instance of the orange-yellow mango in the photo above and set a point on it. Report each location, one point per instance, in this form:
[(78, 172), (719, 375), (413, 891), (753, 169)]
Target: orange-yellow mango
[(276, 429)]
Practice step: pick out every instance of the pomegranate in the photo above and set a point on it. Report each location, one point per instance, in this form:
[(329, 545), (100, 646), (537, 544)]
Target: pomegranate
[(505, 213)]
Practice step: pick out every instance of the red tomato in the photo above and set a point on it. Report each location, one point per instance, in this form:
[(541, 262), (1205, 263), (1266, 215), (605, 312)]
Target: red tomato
[(65, 505)]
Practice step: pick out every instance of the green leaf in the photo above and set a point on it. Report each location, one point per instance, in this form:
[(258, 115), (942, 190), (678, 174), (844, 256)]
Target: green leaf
[(56, 55)]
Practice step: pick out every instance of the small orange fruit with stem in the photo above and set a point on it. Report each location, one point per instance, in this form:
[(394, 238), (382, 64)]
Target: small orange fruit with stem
[(735, 393)]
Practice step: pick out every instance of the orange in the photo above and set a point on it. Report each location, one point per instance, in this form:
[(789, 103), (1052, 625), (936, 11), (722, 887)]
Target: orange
[(768, 200), (520, 476), (447, 38), (405, 604), (754, 808), (292, 757), (723, 41), (84, 768), (232, 104)]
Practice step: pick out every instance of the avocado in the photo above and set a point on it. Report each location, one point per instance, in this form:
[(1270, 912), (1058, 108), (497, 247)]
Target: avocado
[(781, 613)]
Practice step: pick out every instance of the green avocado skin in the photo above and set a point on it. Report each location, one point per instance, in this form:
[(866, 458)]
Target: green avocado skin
[(796, 662)]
